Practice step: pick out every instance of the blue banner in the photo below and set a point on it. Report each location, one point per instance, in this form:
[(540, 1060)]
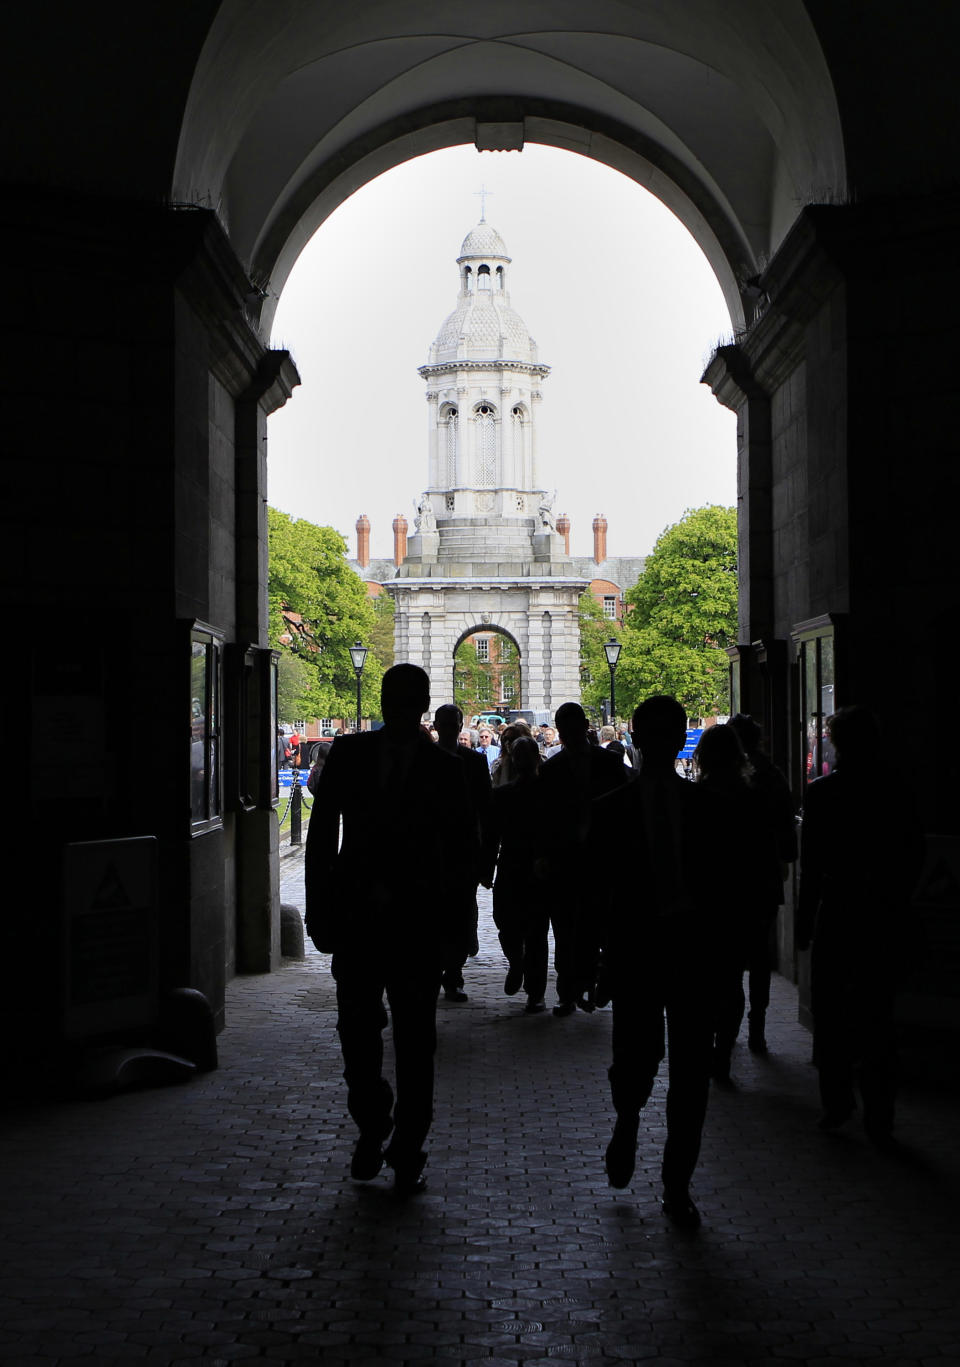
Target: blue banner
[(691, 743), (286, 777)]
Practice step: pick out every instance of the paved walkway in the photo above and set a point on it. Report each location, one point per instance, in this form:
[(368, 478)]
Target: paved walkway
[(217, 1220)]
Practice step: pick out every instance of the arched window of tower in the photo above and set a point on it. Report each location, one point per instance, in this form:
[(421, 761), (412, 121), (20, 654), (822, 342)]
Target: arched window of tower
[(483, 277), (500, 278)]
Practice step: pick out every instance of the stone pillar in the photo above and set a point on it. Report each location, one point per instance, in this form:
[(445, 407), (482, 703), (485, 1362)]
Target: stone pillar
[(256, 835), (533, 680), (565, 650), (730, 377), (436, 476)]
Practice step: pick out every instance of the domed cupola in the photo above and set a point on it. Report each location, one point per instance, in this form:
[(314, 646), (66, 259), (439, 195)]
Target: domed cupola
[(483, 387), (483, 326)]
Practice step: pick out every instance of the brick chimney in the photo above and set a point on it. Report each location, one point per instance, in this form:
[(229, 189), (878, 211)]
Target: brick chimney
[(599, 538), (563, 527), (363, 541), (400, 526)]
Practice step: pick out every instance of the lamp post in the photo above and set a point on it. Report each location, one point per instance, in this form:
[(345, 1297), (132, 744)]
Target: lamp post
[(358, 655), (612, 650)]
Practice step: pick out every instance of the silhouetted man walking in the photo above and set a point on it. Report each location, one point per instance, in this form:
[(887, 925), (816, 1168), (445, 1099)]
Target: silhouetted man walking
[(570, 781), (656, 955), (475, 856), (382, 914)]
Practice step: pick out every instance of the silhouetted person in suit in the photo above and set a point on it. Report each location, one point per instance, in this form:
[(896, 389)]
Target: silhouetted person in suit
[(748, 883), (770, 783), (383, 914), (519, 905), (571, 781), (475, 855), (656, 957), (860, 856)]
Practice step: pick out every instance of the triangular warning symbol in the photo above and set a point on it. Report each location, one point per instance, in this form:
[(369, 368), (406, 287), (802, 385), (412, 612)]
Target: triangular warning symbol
[(111, 892)]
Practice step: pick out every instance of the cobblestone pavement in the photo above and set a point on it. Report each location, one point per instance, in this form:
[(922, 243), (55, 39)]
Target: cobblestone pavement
[(217, 1220)]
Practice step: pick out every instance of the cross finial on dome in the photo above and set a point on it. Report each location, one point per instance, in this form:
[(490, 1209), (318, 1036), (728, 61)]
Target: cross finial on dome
[(483, 192)]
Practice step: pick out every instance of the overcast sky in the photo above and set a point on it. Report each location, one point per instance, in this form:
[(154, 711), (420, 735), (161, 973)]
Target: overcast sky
[(619, 298)]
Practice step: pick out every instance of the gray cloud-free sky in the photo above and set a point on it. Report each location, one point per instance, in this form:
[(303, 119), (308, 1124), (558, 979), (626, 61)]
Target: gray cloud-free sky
[(619, 298)]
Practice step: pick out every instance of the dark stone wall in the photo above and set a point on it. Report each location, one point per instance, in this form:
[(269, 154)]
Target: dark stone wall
[(134, 358)]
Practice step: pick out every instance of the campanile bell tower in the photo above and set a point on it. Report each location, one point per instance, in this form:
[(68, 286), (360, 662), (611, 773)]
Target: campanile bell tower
[(485, 554)]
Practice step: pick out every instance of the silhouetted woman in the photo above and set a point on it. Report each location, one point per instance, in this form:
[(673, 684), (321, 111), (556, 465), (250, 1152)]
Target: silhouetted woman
[(519, 905), (502, 769), (775, 792), (747, 876)]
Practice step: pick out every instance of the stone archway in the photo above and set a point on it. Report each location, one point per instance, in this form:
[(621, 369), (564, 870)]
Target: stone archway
[(497, 669), (727, 116), (540, 615)]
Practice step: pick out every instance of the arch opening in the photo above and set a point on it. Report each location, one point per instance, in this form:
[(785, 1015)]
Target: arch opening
[(487, 670)]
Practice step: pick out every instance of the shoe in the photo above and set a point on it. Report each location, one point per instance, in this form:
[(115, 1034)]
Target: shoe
[(534, 1008), (564, 1008), (586, 1004), (408, 1178), (513, 982), (367, 1159), (621, 1155), (455, 994), (680, 1210)]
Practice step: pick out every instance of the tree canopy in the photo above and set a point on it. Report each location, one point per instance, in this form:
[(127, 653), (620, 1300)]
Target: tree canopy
[(595, 629), (683, 615), (309, 578)]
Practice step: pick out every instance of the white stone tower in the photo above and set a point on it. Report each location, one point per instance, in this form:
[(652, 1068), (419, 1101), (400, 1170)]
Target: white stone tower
[(485, 554)]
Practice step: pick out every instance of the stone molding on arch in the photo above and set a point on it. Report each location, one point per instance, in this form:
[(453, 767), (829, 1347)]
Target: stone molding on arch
[(487, 625), (728, 114), (703, 210)]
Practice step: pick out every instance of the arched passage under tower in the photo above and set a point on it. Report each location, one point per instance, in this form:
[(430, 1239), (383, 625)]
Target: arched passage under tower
[(487, 670)]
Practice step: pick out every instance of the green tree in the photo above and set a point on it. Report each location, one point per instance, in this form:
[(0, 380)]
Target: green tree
[(295, 680), (684, 615), (472, 686), (381, 633), (309, 576), (595, 629)]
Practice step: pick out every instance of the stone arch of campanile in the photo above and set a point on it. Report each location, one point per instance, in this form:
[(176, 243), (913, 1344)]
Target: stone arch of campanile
[(510, 631), (156, 214)]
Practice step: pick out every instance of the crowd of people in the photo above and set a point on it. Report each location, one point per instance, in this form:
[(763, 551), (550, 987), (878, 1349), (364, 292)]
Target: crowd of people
[(665, 933)]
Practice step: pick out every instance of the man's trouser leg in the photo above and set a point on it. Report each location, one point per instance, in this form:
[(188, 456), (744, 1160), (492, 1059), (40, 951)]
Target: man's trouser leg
[(689, 1049), (412, 993), (535, 949), (360, 1022), (638, 1046), (508, 917)]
